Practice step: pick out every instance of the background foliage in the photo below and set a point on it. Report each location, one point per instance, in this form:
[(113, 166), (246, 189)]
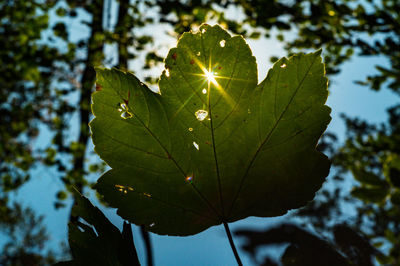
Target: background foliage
[(48, 76)]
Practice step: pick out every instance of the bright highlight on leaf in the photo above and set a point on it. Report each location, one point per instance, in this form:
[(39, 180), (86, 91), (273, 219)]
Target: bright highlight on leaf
[(250, 146), (210, 76), (201, 115)]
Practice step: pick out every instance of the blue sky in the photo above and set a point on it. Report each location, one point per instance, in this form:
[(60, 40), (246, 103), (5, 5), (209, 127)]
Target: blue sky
[(211, 247)]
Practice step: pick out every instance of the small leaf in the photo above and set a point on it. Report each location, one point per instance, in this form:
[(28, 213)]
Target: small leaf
[(394, 175), (368, 178), (378, 244), (391, 169), (213, 146), (395, 198), (255, 35), (370, 194), (98, 241), (61, 195)]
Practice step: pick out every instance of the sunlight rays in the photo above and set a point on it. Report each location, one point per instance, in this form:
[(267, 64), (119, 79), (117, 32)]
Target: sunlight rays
[(211, 78)]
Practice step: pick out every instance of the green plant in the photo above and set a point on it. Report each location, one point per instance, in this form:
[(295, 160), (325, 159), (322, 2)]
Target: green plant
[(96, 241), (212, 147)]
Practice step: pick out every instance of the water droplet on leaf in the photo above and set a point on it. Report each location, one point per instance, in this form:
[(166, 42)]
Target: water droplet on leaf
[(167, 73), (123, 106), (204, 91), (190, 129), (201, 114), (126, 115), (198, 53), (196, 145), (222, 43), (189, 178), (283, 65)]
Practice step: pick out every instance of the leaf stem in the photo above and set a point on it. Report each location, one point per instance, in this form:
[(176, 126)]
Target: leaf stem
[(147, 243), (228, 233)]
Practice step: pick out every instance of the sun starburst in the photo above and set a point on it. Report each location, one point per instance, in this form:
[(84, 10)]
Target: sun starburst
[(210, 76)]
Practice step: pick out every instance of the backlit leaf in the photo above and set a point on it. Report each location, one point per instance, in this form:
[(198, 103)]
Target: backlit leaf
[(213, 146), (98, 241)]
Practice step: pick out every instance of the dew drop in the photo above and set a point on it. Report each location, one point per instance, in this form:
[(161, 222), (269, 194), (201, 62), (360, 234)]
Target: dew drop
[(190, 129), (123, 107), (126, 115), (203, 31), (196, 145), (198, 53), (152, 224), (189, 178), (201, 114), (204, 91), (167, 73), (283, 65), (222, 43)]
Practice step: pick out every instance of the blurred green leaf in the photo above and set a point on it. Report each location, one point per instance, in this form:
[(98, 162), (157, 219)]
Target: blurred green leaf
[(368, 178), (370, 194)]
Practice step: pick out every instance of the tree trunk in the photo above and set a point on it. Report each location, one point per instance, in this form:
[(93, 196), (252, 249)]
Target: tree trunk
[(122, 29), (94, 57)]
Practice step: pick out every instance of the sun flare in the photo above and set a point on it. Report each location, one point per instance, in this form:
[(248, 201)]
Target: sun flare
[(210, 76)]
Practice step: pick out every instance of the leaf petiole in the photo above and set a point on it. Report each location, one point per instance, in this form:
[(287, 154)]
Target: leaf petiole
[(228, 233)]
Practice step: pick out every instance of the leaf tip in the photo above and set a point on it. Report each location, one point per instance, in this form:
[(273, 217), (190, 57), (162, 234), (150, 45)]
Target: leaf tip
[(318, 52)]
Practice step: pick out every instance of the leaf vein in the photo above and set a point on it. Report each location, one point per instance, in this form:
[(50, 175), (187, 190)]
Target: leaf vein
[(269, 136)]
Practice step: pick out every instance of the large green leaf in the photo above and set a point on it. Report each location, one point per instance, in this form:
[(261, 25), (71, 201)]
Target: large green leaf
[(206, 151)]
